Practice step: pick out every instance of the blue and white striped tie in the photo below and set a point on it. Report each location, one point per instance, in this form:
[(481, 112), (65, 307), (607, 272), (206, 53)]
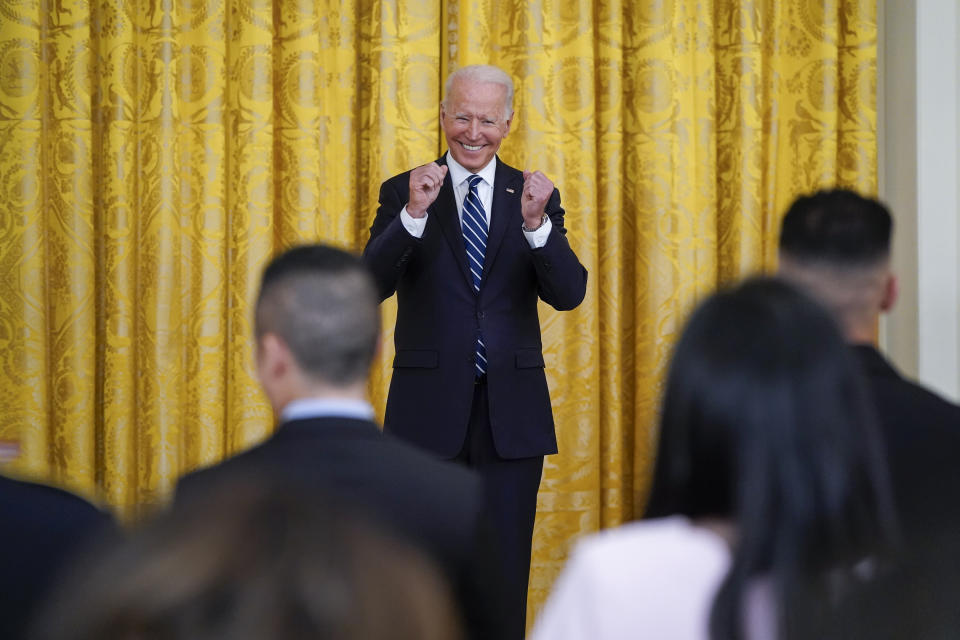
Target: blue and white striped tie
[(475, 239)]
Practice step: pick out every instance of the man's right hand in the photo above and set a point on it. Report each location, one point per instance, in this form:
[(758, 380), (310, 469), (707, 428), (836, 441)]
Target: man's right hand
[(425, 183)]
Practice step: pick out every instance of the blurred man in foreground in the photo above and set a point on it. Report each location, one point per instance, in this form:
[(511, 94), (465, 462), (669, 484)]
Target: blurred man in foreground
[(836, 244), (317, 329)]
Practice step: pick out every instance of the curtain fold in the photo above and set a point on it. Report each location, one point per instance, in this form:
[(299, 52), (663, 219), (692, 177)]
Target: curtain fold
[(154, 155)]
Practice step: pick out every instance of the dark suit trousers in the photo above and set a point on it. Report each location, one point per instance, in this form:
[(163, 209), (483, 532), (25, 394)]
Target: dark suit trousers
[(511, 501)]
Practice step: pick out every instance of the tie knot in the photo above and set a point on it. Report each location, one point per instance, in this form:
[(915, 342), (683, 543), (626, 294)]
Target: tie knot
[(474, 180)]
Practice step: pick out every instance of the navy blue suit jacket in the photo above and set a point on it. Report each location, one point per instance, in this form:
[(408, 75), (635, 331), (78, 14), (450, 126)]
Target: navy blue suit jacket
[(439, 315), (42, 531)]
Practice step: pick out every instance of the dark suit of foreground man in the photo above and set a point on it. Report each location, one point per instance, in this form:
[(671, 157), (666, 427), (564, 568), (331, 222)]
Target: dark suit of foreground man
[(836, 244), (469, 244), (42, 529), (317, 326)]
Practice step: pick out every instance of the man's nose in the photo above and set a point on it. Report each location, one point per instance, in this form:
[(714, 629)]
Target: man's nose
[(474, 129)]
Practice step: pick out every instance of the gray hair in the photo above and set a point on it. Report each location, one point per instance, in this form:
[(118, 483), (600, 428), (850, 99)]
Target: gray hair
[(322, 303), (482, 73)]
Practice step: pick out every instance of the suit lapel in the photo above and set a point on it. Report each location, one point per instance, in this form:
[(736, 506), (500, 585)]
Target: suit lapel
[(504, 204), (445, 211)]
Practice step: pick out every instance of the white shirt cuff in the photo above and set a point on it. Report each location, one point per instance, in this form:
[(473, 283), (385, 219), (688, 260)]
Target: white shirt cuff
[(538, 238), (415, 226)]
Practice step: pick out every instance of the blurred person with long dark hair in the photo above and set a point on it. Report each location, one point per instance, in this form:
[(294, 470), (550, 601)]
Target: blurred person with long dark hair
[(251, 558), (769, 494)]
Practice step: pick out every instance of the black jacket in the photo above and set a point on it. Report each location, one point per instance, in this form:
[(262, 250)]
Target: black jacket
[(922, 437), (42, 530), (435, 505), (439, 314)]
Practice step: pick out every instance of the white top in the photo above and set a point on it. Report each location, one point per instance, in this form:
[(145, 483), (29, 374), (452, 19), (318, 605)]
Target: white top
[(654, 580), (458, 177)]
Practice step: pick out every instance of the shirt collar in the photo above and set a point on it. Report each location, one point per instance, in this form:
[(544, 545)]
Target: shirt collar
[(458, 173), (326, 408)]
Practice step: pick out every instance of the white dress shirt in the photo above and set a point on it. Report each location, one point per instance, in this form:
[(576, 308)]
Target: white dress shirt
[(458, 176)]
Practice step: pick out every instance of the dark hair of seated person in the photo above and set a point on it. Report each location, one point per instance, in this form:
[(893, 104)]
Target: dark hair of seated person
[(766, 425), (253, 559)]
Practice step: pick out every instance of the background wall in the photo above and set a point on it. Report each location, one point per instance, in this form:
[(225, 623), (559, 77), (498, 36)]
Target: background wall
[(920, 180)]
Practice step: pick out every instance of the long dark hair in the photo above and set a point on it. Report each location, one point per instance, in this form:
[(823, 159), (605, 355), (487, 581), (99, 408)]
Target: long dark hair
[(766, 423), (254, 556)]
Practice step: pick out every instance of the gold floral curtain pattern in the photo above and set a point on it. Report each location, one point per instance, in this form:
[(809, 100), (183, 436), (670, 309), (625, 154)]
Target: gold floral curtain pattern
[(155, 153)]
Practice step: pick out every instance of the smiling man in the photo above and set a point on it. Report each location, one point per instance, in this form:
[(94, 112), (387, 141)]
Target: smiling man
[(469, 244)]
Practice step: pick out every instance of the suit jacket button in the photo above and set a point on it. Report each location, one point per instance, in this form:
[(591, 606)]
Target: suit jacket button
[(480, 315)]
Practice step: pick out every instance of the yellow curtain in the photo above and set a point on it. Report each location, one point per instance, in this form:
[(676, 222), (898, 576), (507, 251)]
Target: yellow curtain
[(153, 155)]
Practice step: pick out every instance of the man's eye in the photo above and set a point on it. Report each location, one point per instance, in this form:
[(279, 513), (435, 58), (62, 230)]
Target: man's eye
[(461, 119)]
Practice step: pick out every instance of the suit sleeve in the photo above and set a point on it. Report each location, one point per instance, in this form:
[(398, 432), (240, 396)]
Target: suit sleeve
[(561, 279), (390, 246)]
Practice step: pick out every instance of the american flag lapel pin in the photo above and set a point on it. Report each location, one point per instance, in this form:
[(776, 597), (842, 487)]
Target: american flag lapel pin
[(509, 190)]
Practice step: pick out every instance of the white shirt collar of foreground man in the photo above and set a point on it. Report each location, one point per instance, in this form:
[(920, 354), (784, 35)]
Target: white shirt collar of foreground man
[(306, 408)]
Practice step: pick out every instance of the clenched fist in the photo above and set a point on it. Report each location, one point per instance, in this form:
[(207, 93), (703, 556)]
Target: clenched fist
[(537, 189), (425, 183)]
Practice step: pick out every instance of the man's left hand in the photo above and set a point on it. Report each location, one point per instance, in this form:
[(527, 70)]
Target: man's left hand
[(537, 189)]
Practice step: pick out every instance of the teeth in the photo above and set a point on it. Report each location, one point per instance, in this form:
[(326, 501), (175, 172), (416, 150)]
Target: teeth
[(472, 148)]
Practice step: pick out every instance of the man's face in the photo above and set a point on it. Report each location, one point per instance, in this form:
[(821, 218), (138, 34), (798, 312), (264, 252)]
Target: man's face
[(474, 121)]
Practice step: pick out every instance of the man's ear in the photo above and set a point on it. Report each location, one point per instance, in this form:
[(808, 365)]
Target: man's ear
[(273, 357), (891, 291)]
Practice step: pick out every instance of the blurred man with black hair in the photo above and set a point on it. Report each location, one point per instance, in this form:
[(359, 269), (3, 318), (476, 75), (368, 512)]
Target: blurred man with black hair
[(836, 244), (317, 325)]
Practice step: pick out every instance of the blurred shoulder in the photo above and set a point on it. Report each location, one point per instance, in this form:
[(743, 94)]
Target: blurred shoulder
[(43, 497), (900, 398), (667, 544), (431, 469), (42, 513)]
